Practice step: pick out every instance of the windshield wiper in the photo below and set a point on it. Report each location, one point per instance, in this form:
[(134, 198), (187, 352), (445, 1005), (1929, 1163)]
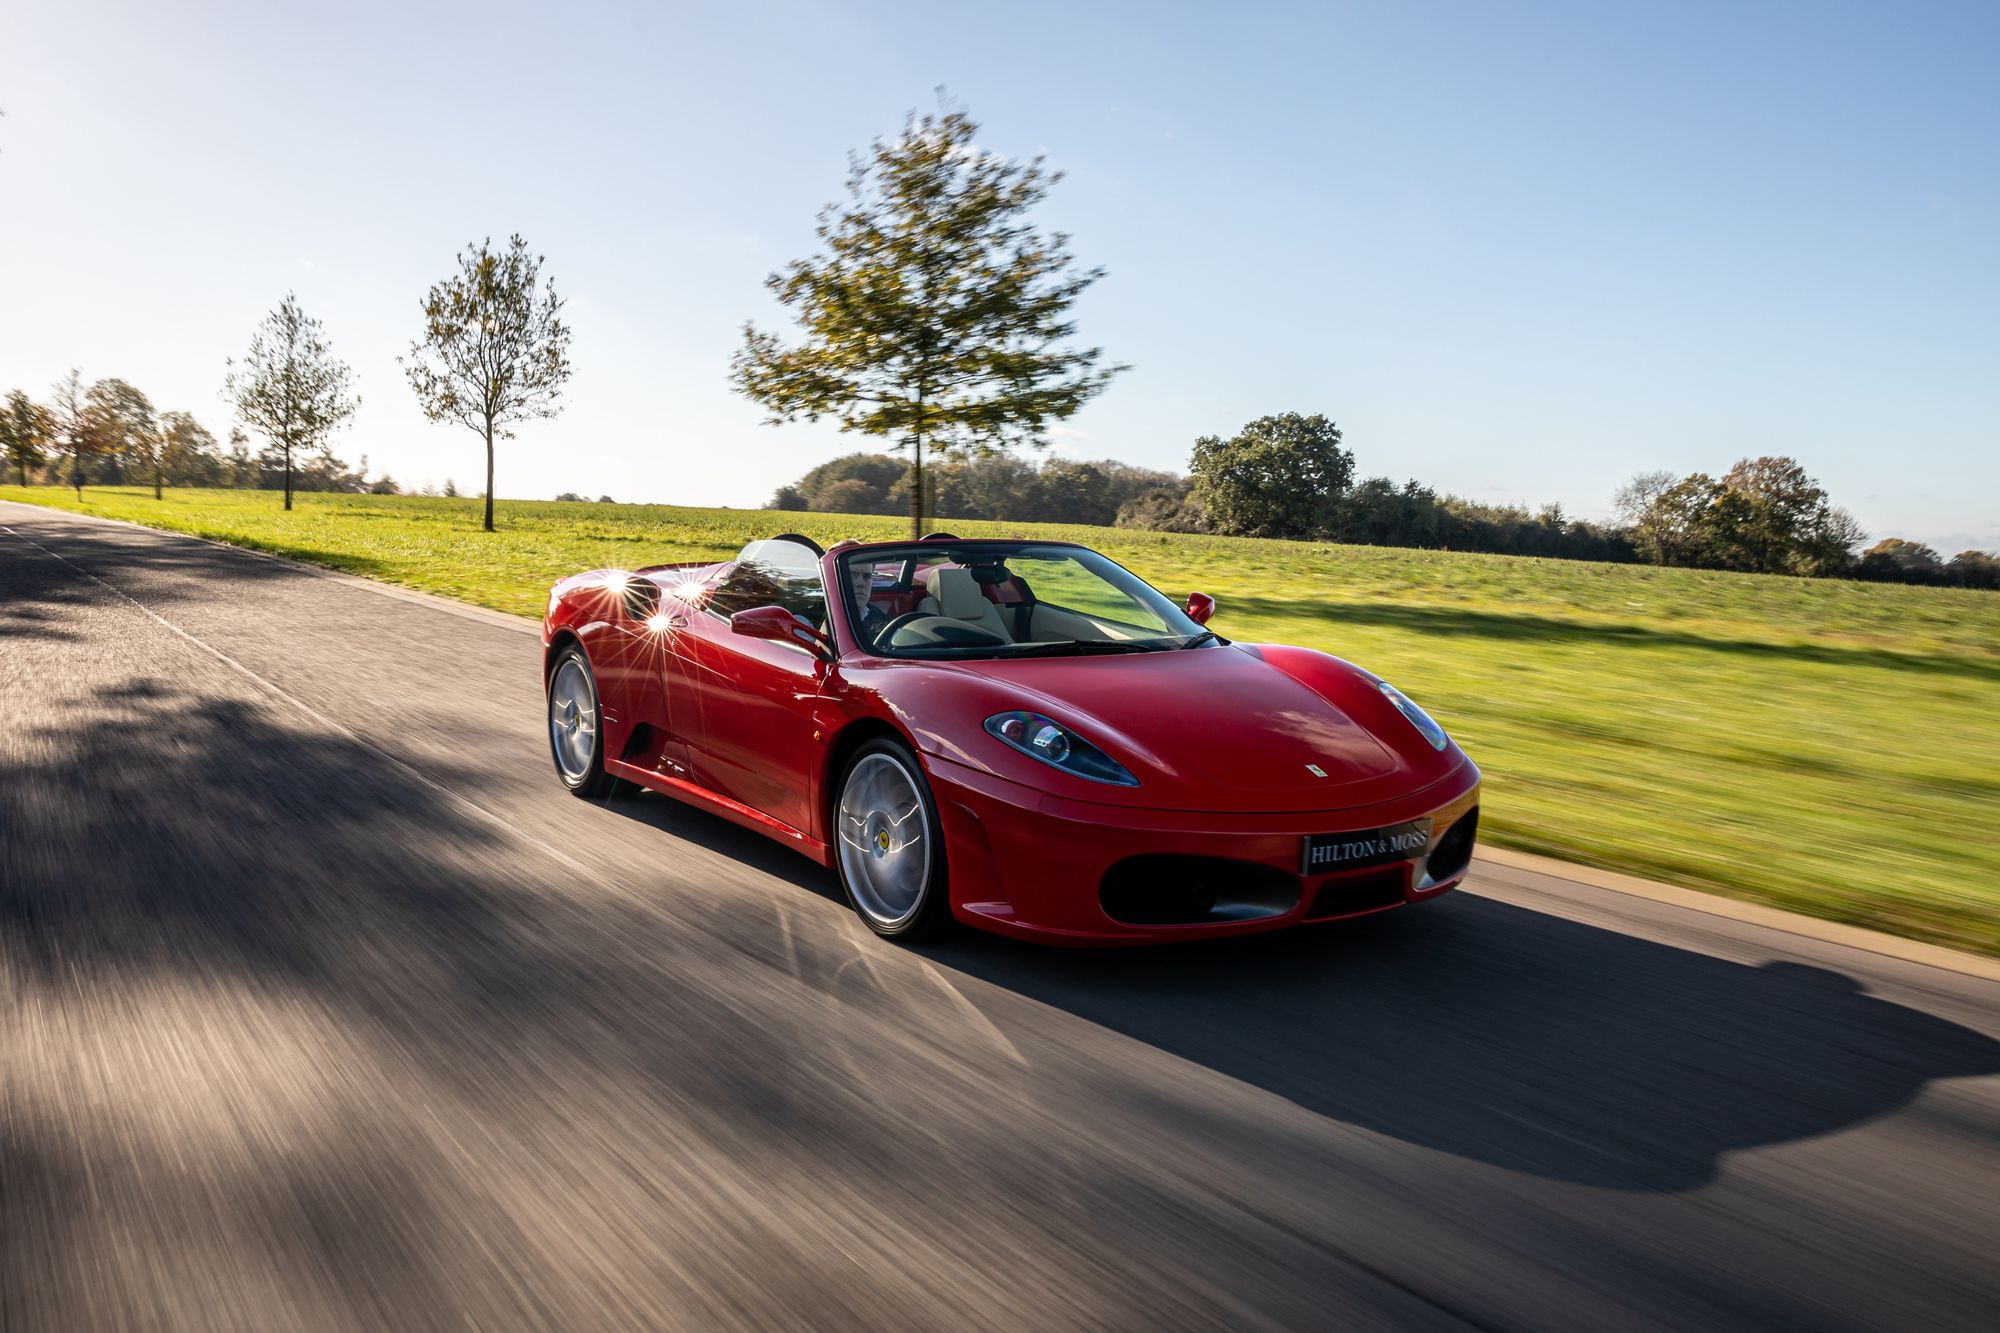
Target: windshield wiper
[(1088, 647), (1194, 640)]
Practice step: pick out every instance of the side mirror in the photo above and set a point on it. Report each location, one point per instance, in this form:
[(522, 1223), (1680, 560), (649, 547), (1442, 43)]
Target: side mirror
[(1200, 606), (780, 626)]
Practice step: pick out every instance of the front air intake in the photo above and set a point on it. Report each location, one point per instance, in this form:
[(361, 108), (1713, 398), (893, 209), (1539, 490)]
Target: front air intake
[(1453, 852), (1165, 890)]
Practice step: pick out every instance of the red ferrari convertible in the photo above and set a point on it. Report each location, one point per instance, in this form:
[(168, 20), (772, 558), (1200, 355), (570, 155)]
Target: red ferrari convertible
[(1019, 735)]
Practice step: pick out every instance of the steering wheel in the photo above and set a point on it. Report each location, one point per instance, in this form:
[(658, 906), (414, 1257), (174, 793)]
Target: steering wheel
[(888, 632)]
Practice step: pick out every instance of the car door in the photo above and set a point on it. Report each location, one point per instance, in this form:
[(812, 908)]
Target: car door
[(628, 652), (749, 727)]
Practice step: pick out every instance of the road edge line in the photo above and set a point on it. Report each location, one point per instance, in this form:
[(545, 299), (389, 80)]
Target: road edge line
[(1749, 913)]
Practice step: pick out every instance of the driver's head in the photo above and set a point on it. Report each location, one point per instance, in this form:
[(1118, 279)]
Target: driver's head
[(862, 579)]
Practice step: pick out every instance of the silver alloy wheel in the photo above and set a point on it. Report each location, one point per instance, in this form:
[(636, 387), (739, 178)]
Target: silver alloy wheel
[(572, 720), (885, 852)]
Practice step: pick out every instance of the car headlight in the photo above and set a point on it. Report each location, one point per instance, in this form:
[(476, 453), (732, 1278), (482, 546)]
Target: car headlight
[(1058, 747), (1419, 719)]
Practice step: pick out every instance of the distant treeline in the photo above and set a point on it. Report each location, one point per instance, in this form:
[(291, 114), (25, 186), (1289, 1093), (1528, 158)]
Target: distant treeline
[(1104, 492), (110, 434), (115, 437), (1290, 476), (1004, 487)]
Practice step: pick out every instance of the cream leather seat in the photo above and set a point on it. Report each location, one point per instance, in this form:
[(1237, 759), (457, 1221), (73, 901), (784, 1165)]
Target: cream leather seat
[(952, 592)]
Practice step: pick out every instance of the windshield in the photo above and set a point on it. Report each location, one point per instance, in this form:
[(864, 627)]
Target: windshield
[(1004, 599)]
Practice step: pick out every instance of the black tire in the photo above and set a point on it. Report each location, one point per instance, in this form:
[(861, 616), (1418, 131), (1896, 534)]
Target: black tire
[(930, 916), (584, 776)]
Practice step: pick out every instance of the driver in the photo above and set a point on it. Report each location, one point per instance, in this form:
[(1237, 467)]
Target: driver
[(871, 618)]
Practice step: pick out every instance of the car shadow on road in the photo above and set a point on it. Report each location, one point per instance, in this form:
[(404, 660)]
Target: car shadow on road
[(1482, 1029), (1516, 1038)]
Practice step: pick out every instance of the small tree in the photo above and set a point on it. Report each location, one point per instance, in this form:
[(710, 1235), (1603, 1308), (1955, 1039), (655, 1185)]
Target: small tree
[(68, 412), (935, 314), (26, 433), (1280, 476), (495, 351), (291, 387)]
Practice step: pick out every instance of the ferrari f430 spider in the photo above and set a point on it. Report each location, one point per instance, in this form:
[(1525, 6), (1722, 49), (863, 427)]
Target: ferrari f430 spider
[(1018, 735)]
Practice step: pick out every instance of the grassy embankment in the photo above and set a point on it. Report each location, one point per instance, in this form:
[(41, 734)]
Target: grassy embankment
[(1825, 746)]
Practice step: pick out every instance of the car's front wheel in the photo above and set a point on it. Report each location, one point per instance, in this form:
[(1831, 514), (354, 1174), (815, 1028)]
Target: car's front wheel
[(890, 847), (574, 725)]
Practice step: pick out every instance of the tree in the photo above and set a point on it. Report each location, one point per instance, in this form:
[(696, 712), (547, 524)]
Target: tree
[(1764, 516), (1163, 509), (1893, 560), (120, 421), (291, 387), (1975, 569), (72, 426), (27, 432), (1828, 548), (876, 473), (1280, 476), (1784, 523), (450, 489), (189, 455), (935, 316), (1074, 493), (495, 351), (1005, 486), (124, 430), (242, 467), (1377, 512), (851, 496), (1662, 530)]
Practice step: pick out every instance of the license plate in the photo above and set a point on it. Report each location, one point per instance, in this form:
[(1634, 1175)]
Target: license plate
[(1325, 853)]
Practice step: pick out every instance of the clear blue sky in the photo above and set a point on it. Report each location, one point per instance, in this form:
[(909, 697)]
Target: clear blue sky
[(1517, 251)]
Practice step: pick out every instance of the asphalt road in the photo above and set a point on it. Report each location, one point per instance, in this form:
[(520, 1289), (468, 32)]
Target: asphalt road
[(323, 1006)]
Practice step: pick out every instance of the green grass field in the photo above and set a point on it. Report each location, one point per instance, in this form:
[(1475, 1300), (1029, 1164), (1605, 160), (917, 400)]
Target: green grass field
[(1829, 747)]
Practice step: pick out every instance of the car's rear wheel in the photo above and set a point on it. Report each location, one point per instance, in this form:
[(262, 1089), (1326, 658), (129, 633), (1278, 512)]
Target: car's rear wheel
[(575, 725), (890, 846)]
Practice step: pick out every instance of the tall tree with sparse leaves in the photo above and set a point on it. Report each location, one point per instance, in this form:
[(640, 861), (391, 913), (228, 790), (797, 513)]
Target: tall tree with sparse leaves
[(291, 388), (495, 350), (935, 316), (68, 412), (26, 433)]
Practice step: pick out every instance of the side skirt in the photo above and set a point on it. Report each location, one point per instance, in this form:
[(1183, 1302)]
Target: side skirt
[(701, 798)]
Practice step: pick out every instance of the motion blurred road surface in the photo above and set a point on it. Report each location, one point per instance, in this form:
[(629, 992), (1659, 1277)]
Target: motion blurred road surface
[(323, 1006)]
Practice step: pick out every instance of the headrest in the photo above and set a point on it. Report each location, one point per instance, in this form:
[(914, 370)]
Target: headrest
[(957, 595)]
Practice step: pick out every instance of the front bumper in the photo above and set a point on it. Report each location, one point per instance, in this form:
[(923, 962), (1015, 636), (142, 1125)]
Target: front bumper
[(1033, 865)]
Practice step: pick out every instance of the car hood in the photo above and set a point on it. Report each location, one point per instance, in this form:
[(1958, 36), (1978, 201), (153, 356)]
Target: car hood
[(1227, 727)]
